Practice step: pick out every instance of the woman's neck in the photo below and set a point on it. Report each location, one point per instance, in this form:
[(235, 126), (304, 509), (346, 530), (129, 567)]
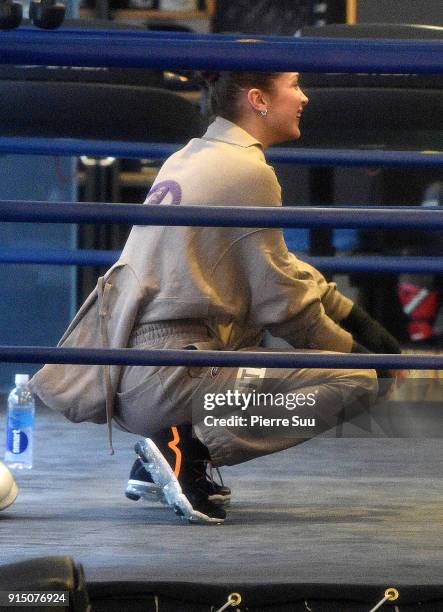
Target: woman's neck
[(256, 127)]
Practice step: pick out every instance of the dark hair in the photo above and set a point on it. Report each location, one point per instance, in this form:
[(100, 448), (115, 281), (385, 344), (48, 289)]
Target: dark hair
[(225, 87)]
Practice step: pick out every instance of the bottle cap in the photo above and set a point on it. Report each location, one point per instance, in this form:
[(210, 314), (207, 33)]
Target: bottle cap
[(21, 379)]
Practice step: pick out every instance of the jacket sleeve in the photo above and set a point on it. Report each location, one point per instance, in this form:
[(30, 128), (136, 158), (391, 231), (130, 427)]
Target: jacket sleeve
[(283, 296), (336, 305)]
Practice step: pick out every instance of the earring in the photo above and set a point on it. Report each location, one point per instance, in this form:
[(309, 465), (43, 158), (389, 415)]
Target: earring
[(264, 113)]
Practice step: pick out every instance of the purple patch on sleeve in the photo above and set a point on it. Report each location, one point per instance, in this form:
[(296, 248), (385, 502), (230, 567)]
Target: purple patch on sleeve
[(165, 192)]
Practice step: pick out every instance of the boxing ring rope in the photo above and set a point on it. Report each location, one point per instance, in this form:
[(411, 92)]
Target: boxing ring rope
[(162, 34), (129, 31), (308, 54), (107, 49), (387, 217), (46, 354), (342, 264), (223, 216), (152, 150)]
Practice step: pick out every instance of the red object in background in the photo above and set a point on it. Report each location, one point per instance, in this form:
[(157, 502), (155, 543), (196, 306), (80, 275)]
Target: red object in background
[(420, 305)]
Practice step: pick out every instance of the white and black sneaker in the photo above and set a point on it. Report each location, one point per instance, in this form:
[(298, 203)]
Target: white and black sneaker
[(186, 490), (141, 486)]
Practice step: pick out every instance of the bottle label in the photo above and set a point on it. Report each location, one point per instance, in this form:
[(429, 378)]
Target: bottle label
[(20, 420), (16, 441)]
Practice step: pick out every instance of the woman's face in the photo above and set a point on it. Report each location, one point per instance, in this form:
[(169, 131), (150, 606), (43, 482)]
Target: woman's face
[(286, 102)]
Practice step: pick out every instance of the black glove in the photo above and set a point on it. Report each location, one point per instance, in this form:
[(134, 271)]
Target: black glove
[(385, 377), (369, 333)]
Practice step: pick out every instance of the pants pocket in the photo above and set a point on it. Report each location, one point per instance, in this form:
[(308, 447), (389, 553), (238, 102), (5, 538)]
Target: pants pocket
[(141, 408)]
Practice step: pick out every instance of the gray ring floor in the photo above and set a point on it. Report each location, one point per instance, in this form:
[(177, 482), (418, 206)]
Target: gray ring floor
[(350, 510)]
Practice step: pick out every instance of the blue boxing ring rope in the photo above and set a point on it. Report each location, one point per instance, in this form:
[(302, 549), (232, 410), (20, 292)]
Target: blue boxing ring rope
[(144, 50), (152, 150), (107, 49), (223, 216), (292, 359), (91, 257), (218, 216)]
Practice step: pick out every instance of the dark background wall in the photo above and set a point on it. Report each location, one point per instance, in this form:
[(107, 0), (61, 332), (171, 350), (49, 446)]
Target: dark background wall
[(278, 17), (428, 12)]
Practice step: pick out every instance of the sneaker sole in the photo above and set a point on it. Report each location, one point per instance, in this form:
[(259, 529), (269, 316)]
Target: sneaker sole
[(150, 492), (164, 477), (220, 500)]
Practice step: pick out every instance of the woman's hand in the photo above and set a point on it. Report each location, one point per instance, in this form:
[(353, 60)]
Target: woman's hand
[(369, 332)]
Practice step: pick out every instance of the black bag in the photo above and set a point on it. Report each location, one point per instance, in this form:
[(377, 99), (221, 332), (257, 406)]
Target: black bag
[(46, 574)]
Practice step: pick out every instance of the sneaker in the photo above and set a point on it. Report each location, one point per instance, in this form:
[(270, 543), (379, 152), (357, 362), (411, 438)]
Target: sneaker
[(187, 494), (141, 485), (217, 493)]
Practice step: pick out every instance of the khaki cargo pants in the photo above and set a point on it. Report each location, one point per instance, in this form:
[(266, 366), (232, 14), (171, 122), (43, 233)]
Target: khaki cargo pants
[(153, 398)]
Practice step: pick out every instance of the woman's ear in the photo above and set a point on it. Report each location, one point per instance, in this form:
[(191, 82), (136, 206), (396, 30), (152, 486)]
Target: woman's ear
[(256, 100)]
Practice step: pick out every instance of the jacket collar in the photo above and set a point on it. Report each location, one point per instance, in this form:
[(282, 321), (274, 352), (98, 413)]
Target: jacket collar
[(226, 131)]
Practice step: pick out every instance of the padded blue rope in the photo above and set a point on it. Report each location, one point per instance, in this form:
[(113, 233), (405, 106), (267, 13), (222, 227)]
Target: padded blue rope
[(368, 264), (415, 217), (44, 354), (154, 150), (302, 54)]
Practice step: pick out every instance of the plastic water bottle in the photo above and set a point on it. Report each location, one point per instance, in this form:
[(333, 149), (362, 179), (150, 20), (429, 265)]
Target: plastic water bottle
[(20, 425)]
